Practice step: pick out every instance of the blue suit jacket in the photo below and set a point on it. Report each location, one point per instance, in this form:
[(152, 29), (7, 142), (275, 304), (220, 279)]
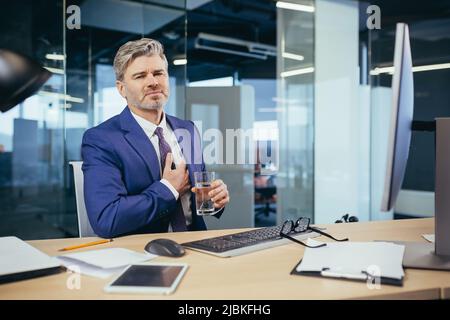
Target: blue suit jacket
[(122, 188)]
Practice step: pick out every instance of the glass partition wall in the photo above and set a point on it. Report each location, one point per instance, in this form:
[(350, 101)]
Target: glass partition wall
[(231, 96), (32, 157), (295, 110), (42, 135), (324, 105)]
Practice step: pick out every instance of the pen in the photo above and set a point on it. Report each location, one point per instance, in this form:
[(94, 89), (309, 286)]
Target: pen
[(86, 244)]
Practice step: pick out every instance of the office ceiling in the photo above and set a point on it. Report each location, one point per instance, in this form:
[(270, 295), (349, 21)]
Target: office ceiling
[(106, 24), (411, 11), (249, 20), (120, 21)]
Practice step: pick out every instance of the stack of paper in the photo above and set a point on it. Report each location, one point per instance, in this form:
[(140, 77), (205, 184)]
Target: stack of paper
[(102, 263), (354, 260), (19, 260)]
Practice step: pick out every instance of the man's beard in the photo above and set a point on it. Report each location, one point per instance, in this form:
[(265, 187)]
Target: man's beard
[(152, 105)]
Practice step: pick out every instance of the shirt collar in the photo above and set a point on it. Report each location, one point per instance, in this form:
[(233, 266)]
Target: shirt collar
[(150, 127)]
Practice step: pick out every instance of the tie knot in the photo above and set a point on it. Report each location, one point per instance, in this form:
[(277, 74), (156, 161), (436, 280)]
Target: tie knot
[(159, 132)]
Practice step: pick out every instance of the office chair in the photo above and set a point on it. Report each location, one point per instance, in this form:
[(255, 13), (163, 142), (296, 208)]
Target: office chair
[(265, 195), (84, 226)]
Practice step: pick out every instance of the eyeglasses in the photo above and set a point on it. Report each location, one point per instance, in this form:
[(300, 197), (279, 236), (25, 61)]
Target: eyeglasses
[(302, 225)]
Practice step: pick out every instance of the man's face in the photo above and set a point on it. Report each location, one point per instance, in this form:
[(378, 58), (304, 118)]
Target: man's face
[(145, 84)]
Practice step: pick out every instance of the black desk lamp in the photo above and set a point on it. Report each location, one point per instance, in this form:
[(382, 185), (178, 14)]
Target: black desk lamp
[(20, 77)]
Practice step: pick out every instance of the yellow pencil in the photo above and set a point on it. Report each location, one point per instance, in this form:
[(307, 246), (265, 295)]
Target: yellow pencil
[(86, 244)]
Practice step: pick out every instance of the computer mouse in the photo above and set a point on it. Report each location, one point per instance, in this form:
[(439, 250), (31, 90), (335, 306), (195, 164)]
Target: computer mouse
[(165, 247)]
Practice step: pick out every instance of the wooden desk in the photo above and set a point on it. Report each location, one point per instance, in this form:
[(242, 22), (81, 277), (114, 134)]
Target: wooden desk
[(258, 275)]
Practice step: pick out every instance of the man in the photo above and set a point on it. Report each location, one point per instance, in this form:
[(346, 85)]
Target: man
[(136, 175)]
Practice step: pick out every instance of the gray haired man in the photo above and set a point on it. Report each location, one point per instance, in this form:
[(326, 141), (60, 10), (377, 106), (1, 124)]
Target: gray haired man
[(131, 185)]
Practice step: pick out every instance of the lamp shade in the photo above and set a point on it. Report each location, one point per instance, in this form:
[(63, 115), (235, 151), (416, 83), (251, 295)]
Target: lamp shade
[(20, 77)]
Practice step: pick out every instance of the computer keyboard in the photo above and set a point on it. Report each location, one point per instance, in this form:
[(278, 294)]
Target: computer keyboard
[(245, 242)]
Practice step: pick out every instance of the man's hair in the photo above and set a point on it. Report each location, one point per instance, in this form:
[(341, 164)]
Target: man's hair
[(133, 49)]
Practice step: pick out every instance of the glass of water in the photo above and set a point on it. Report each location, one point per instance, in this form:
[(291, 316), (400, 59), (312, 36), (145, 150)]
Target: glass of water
[(203, 202)]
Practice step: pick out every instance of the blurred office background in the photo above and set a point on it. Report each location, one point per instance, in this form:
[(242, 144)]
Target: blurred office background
[(314, 74)]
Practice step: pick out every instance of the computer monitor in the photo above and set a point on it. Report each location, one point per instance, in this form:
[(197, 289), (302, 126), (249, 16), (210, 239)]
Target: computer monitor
[(401, 118), (417, 254)]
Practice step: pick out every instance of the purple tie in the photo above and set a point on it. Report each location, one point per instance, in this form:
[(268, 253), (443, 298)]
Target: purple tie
[(164, 147), (177, 220)]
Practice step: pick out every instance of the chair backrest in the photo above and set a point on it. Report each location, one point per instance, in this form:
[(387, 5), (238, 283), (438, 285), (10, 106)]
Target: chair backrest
[(84, 226)]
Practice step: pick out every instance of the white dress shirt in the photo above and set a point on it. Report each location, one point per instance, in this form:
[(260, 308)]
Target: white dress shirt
[(149, 129)]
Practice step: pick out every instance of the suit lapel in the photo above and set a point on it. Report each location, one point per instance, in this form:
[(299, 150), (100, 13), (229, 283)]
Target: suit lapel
[(136, 136), (175, 124)]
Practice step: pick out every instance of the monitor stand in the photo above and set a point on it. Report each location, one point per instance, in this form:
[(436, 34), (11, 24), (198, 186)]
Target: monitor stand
[(436, 256), (420, 255)]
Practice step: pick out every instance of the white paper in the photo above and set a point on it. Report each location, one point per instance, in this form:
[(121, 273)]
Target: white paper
[(429, 237), (102, 263), (18, 256), (376, 258), (87, 269)]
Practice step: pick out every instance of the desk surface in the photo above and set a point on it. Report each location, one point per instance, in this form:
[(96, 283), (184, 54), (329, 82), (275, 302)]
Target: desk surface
[(259, 275)]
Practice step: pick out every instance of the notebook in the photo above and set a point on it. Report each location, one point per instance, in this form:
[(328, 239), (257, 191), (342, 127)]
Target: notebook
[(20, 261), (359, 261), (104, 262)]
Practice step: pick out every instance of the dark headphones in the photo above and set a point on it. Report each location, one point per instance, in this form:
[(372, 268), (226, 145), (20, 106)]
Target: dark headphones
[(347, 218)]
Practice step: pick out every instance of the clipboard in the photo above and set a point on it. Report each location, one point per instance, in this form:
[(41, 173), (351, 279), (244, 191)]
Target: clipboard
[(373, 262), (363, 276)]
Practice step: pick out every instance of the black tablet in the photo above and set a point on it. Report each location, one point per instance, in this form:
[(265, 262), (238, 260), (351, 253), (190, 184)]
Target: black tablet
[(148, 278)]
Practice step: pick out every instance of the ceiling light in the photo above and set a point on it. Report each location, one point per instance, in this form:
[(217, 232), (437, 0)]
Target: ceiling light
[(55, 70), (293, 56), (429, 67), (296, 72), (54, 56), (294, 6), (180, 62)]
